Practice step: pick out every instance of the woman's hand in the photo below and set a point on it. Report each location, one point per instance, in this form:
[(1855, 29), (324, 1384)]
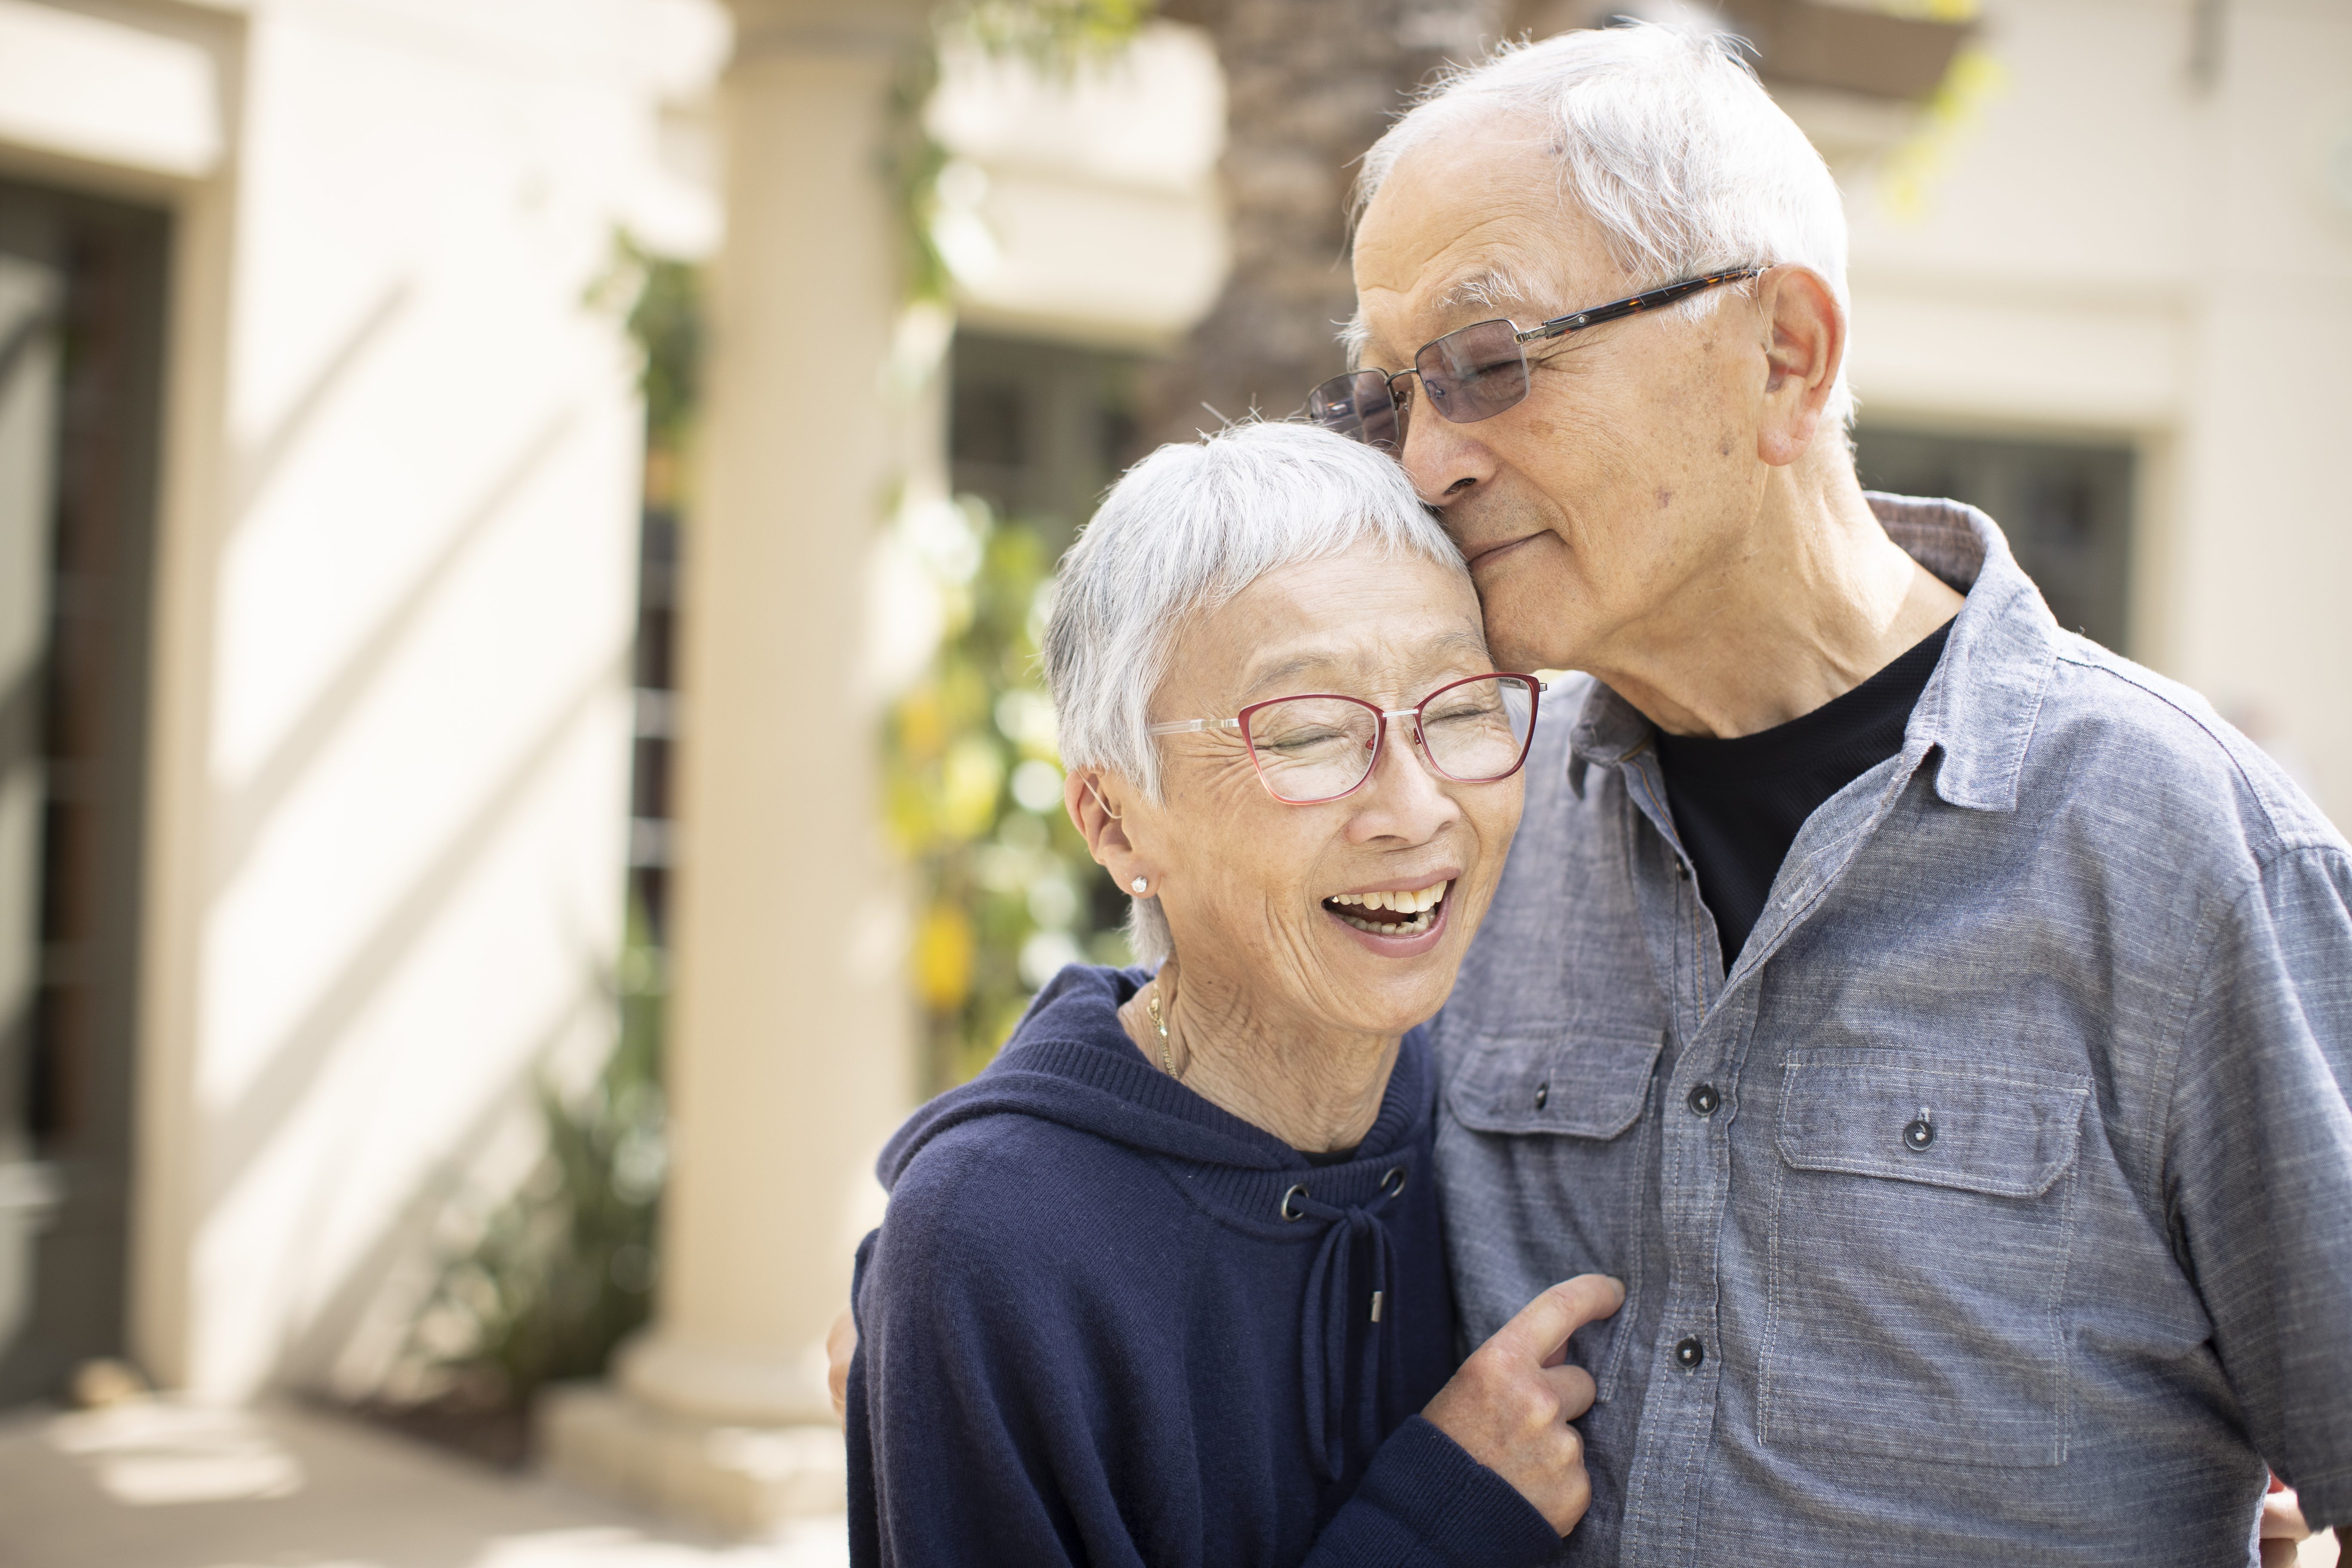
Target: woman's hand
[(1511, 1404), (2283, 1532)]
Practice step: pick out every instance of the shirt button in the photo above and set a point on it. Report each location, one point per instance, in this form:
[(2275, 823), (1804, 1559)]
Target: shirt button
[(1918, 1135), (1702, 1099), (1543, 1093), (1690, 1353)]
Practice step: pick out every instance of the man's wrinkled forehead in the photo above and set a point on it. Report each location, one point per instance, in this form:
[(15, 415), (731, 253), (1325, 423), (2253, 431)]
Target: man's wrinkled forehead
[(1453, 237), (1396, 322)]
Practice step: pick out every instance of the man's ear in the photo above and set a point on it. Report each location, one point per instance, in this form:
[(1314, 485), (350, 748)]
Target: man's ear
[(1805, 347)]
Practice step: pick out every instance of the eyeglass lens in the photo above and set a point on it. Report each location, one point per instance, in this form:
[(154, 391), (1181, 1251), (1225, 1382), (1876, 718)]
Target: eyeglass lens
[(1473, 373), (1359, 406), (1311, 749), (1469, 375)]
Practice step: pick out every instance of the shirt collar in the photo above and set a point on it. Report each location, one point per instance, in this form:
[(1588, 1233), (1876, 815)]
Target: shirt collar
[(1979, 708)]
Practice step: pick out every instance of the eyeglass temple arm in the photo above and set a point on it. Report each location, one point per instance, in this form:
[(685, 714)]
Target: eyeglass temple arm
[(1560, 326), (1190, 726)]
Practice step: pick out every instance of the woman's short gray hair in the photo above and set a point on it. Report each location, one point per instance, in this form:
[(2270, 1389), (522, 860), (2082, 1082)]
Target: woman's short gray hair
[(1185, 531), (1666, 140)]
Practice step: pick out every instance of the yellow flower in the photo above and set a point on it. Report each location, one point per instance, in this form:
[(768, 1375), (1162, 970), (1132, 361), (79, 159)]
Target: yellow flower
[(974, 778), (943, 954)]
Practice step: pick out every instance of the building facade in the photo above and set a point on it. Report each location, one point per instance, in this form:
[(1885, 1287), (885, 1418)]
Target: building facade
[(321, 510)]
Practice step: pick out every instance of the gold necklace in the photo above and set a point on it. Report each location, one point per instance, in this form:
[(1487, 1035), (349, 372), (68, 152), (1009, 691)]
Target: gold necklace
[(1167, 1064)]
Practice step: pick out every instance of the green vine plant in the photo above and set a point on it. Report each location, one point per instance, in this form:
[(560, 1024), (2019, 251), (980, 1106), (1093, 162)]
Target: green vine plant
[(1057, 34), (973, 780), (974, 799), (557, 1274)]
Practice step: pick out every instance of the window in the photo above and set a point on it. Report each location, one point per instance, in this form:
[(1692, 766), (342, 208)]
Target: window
[(1039, 430), (2066, 506)]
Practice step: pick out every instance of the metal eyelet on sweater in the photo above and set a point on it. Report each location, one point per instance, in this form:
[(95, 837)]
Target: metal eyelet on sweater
[(1392, 1180), (1288, 1197)]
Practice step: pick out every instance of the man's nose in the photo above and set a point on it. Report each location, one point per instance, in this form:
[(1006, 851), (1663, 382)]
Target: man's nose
[(1445, 462)]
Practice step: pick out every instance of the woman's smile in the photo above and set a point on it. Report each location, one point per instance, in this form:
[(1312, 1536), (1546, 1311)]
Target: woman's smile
[(1395, 922)]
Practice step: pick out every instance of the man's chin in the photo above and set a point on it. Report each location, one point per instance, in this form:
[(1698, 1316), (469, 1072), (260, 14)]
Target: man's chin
[(1529, 623), (1544, 649), (1526, 659)]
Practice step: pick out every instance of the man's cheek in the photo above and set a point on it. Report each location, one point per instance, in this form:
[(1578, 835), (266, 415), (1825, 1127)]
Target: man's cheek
[(1527, 628)]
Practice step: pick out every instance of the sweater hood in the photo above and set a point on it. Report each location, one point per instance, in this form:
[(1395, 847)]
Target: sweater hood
[(1069, 1061)]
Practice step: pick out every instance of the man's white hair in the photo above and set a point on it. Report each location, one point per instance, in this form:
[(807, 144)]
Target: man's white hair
[(1666, 140), (1185, 531)]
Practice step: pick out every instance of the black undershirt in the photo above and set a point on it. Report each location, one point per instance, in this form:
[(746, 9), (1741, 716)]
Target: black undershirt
[(1737, 804)]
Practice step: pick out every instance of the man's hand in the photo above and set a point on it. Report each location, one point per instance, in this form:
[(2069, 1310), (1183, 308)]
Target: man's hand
[(840, 1344), (1511, 1404)]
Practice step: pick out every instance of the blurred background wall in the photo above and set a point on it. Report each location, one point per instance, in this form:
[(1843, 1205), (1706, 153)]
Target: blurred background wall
[(321, 513), (524, 526)]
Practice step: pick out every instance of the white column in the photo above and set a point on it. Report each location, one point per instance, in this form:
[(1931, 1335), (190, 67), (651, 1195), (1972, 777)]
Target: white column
[(790, 1050)]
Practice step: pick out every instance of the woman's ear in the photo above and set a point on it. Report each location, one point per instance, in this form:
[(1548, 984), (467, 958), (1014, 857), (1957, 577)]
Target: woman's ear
[(1083, 798), (1099, 803)]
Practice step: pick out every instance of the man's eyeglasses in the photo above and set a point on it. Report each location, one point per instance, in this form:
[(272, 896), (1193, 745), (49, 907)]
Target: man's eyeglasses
[(1473, 373), (1318, 747)]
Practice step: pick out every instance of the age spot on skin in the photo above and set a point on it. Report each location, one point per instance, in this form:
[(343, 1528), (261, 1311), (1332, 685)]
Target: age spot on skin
[(1665, 499), (1724, 451)]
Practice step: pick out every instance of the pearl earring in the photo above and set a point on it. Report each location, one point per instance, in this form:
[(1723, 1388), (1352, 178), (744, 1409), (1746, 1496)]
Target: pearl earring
[(1139, 884)]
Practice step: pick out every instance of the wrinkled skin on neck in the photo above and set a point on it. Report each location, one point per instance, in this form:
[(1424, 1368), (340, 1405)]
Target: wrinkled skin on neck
[(1278, 1010), (1667, 509)]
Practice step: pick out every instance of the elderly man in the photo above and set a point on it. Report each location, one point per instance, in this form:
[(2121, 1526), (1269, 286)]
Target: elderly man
[(1940, 1024)]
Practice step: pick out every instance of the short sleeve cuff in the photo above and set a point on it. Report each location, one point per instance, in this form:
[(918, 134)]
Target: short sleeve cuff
[(2327, 1500)]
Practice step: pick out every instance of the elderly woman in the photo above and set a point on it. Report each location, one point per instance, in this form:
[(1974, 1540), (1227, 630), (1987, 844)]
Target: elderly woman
[(1165, 1283)]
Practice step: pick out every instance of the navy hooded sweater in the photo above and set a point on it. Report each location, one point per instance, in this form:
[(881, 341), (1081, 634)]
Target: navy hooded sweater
[(1087, 1333)]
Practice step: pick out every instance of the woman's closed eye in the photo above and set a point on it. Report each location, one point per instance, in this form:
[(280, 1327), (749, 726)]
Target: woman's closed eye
[(1470, 707), (1305, 740)]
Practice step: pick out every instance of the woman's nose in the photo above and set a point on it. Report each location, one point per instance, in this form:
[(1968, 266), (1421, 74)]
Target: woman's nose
[(1407, 797)]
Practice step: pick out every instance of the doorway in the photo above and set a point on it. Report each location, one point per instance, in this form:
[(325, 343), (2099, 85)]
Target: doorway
[(81, 319)]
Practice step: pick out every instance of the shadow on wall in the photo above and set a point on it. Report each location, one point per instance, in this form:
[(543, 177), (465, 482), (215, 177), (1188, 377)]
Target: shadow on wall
[(307, 1048), (345, 1141), (541, 1280)]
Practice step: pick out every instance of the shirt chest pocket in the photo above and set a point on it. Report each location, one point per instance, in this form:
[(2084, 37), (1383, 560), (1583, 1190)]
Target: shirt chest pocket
[(1918, 1248), (1540, 1156), (1589, 1085)]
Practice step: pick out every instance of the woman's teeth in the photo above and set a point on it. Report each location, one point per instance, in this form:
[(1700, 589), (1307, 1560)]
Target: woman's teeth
[(1414, 910)]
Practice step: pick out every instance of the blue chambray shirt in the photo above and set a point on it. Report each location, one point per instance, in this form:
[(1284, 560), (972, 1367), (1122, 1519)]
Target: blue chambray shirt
[(1997, 1206)]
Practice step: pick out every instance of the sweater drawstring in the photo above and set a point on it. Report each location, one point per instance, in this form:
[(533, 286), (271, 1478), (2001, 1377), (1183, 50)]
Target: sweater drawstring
[(1334, 1297)]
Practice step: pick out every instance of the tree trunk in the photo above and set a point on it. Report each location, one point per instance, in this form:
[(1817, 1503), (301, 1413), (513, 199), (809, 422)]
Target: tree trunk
[(1310, 84)]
